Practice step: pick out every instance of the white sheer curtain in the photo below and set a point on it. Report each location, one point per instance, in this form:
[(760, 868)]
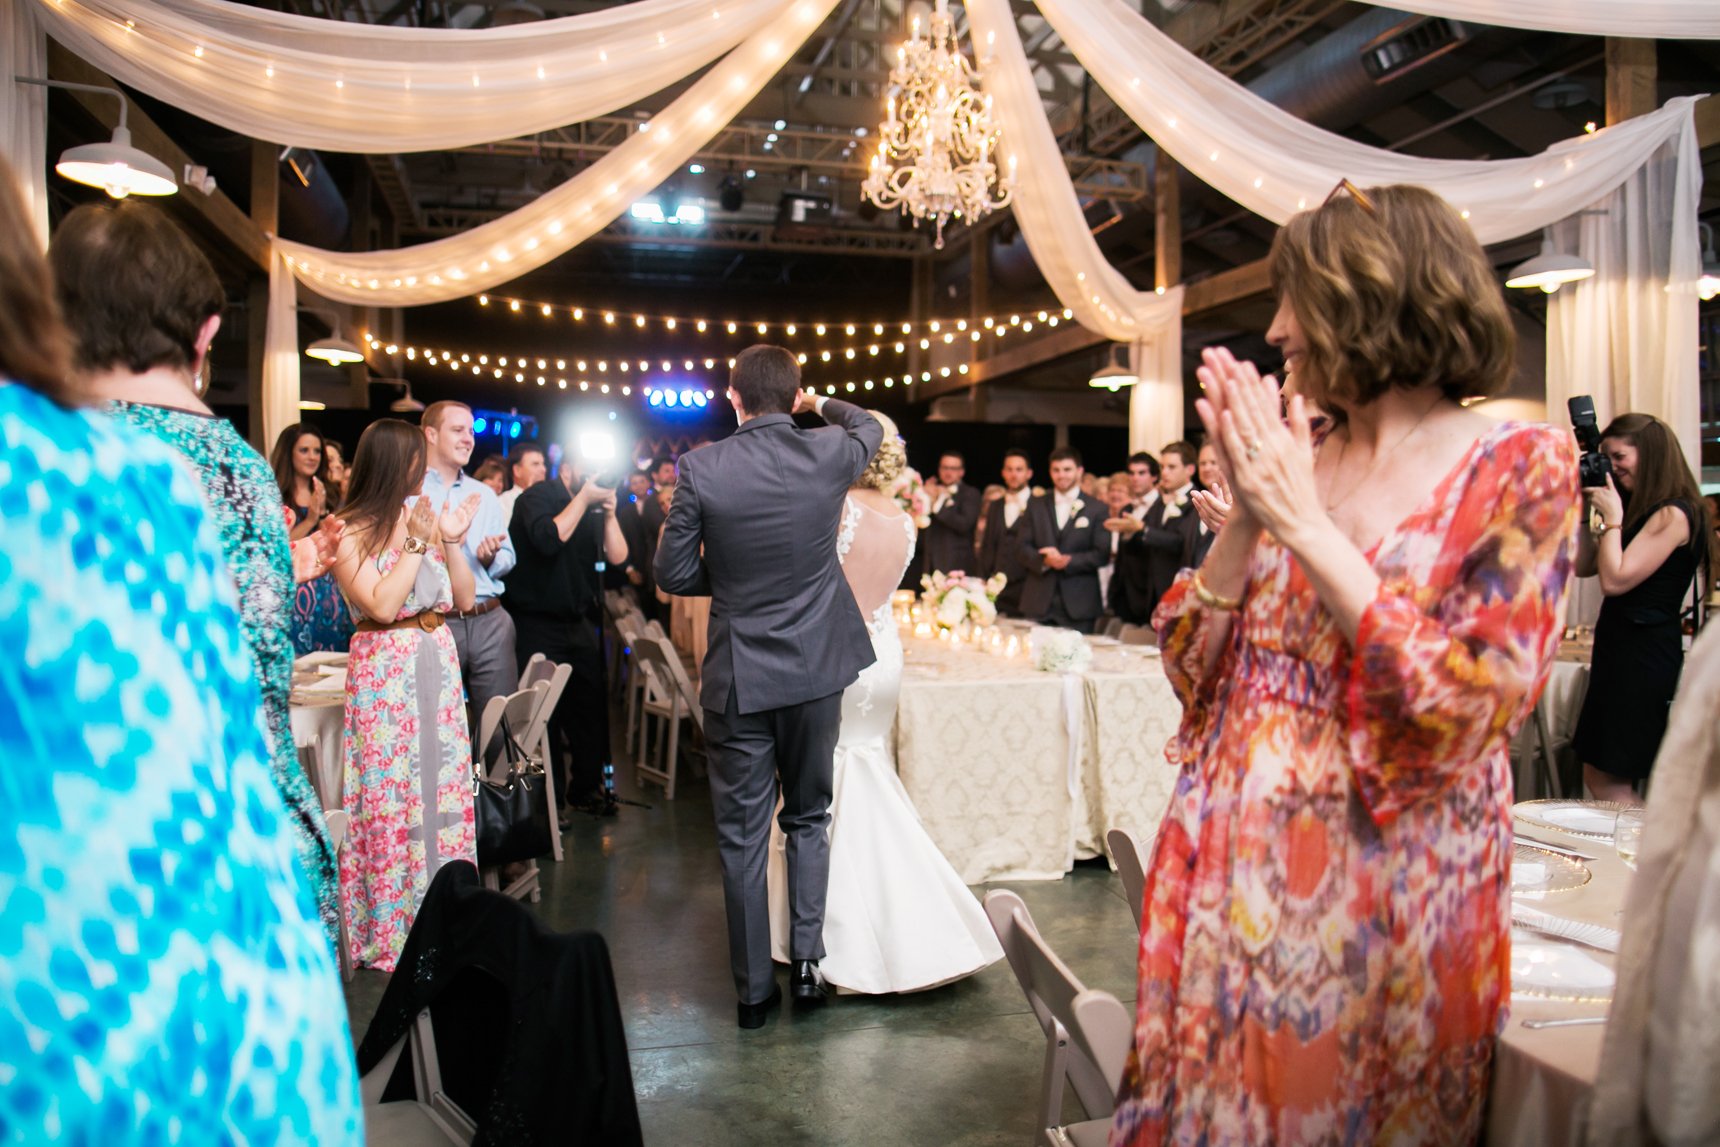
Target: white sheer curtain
[(280, 352), (1651, 19), (367, 88), (1056, 231), (1275, 164), (24, 107), (1628, 336)]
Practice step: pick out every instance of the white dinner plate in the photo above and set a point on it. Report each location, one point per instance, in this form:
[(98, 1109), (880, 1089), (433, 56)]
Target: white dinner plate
[(1537, 870), (1556, 970), (1592, 820)]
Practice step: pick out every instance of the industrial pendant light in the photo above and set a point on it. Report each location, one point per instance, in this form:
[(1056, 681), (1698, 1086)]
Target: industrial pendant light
[(1111, 376), (334, 349), (1550, 268), (115, 166)]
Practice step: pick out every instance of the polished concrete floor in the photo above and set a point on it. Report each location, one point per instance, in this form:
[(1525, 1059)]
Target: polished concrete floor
[(958, 1065)]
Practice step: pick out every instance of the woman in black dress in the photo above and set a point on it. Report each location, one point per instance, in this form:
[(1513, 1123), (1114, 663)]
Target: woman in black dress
[(1654, 534)]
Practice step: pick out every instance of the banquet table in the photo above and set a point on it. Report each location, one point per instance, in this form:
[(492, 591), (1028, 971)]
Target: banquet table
[(983, 746), (317, 711), (1542, 1078)]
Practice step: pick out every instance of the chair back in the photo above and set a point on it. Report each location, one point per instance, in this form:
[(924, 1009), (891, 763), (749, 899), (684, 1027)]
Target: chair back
[(1131, 859), (519, 708), (1138, 635), (1093, 1066), (338, 821), (1113, 626), (671, 673)]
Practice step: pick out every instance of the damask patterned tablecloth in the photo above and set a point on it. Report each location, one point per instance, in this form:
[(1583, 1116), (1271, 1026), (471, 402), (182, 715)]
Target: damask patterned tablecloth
[(982, 747)]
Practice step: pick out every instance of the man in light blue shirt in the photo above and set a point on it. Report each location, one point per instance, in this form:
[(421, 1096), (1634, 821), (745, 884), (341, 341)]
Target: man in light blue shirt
[(484, 634)]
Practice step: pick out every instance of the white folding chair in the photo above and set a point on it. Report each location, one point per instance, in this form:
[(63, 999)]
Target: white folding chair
[(430, 1118), (537, 735), (1138, 635), (1087, 1032), (338, 822), (1131, 859), (519, 708), (634, 684), (669, 697), (1113, 626)]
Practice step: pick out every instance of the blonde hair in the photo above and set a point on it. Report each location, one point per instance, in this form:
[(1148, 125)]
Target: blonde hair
[(890, 460), (1392, 290)]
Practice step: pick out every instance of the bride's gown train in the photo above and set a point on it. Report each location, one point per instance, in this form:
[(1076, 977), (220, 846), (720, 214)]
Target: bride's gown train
[(897, 917)]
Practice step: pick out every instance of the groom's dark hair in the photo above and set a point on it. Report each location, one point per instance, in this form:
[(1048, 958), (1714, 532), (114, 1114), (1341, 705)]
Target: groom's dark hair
[(766, 378)]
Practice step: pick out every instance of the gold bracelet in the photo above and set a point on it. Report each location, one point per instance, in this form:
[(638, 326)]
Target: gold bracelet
[(1212, 600)]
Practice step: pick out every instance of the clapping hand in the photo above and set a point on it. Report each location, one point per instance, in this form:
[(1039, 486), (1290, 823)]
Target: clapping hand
[(1054, 558), (1125, 525), (488, 547), (312, 561), (319, 500), (1267, 462), (421, 522), (1213, 506), (456, 521)]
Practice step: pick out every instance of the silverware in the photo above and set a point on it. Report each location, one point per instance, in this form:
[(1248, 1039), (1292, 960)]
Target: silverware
[(1560, 849), (1581, 1021)]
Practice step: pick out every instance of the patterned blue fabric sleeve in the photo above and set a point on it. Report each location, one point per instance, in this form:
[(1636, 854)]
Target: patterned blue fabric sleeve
[(163, 974)]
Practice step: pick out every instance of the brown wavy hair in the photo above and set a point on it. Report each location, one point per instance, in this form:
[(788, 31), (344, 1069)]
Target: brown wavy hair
[(1392, 291), (281, 458), (35, 347), (1662, 476), (387, 466)]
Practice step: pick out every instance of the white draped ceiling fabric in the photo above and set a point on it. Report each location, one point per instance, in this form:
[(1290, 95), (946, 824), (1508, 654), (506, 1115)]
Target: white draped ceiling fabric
[(1642, 357), (379, 89), (1648, 19), (384, 89), (24, 107)]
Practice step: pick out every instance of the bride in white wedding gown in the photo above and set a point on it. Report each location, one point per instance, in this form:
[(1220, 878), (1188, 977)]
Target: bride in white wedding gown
[(897, 918)]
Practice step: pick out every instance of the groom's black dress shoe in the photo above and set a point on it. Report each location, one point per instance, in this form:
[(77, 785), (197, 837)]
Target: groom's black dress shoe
[(752, 1015), (806, 983)]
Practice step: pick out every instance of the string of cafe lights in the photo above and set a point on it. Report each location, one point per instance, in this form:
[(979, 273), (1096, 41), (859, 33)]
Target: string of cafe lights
[(531, 368), (945, 330)]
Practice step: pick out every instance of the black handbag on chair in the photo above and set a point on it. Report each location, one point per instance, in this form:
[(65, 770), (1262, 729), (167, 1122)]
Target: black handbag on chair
[(512, 815)]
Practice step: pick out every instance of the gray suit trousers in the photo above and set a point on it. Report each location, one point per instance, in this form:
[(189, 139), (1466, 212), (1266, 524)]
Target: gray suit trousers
[(486, 646), (747, 754)]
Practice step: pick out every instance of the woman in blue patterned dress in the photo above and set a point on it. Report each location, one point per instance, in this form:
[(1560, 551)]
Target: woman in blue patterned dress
[(162, 973), (300, 460), (141, 341)]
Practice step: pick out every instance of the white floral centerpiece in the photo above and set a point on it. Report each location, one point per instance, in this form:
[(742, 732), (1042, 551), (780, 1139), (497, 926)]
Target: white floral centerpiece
[(910, 494), (959, 602), (1063, 651)]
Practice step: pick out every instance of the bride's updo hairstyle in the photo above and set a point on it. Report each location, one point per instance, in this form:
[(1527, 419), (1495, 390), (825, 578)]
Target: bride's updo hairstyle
[(891, 459), (1392, 289)]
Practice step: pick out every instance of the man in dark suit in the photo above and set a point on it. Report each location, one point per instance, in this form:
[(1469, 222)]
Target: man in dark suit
[(785, 640), (1131, 580), (1005, 524), (1159, 545), (946, 545), (1064, 546), (637, 572)]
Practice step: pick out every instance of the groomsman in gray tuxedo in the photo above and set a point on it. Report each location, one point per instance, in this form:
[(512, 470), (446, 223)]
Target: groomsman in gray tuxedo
[(753, 526)]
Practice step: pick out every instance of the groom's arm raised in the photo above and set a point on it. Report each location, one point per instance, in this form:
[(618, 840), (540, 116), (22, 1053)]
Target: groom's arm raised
[(680, 565), (865, 433)]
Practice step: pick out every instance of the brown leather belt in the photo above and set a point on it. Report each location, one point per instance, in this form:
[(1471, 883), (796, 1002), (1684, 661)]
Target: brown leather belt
[(479, 611), (429, 621)]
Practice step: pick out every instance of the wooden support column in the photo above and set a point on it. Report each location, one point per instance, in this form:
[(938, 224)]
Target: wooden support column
[(1632, 72), (265, 214), (1167, 223), (363, 319), (979, 304)]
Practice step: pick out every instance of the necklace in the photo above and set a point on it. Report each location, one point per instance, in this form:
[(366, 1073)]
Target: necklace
[(1379, 456)]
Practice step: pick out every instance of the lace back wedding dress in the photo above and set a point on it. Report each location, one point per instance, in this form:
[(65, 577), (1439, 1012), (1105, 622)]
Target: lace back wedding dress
[(897, 917)]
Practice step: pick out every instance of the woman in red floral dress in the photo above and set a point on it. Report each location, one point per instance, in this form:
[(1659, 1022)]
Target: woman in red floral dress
[(1325, 945)]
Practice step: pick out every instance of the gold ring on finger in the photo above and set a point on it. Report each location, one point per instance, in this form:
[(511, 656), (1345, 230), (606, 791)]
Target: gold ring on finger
[(1254, 449)]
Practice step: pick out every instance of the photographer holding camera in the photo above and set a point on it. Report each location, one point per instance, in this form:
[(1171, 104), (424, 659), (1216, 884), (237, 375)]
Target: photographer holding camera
[(565, 533), (1650, 533)]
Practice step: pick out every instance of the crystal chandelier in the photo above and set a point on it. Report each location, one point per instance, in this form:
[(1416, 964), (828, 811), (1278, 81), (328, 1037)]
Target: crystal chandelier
[(935, 160)]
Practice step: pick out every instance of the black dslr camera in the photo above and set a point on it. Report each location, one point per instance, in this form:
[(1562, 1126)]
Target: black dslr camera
[(1593, 467)]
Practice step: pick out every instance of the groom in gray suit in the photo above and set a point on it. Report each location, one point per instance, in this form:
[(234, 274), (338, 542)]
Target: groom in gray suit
[(753, 526)]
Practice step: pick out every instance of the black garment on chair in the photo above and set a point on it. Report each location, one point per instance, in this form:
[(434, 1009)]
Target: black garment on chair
[(528, 1027), (1638, 656)]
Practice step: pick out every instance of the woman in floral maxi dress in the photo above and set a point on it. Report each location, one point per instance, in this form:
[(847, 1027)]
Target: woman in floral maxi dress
[(408, 780), (1325, 944)]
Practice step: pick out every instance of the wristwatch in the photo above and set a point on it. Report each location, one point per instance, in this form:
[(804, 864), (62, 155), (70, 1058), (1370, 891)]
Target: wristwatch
[(415, 545)]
